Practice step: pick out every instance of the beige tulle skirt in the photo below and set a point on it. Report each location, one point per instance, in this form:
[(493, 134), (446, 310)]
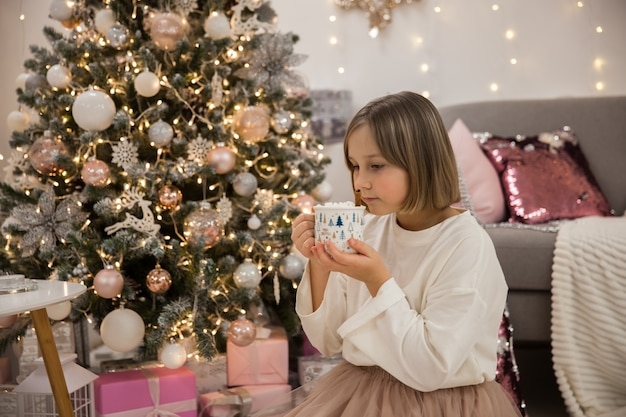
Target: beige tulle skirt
[(357, 391)]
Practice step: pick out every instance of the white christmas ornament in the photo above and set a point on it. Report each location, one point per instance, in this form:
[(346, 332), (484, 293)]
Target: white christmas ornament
[(122, 330), (20, 80), (247, 275), (93, 110), (60, 10), (17, 121), (59, 311), (59, 76), (217, 26), (147, 84), (161, 134), (323, 191), (103, 20), (254, 222), (291, 267), (245, 184), (173, 355)]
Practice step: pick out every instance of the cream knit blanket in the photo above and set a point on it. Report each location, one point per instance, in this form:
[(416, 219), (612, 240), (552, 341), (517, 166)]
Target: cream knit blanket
[(589, 316)]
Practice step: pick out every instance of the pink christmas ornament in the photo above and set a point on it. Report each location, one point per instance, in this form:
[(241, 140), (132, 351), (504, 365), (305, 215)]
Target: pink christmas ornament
[(222, 159), (167, 29), (169, 197), (203, 228), (242, 332), (96, 173), (45, 154), (158, 280), (108, 283), (252, 123), (304, 202)]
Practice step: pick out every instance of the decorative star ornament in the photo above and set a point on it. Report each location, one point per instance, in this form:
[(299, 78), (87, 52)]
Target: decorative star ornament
[(378, 11)]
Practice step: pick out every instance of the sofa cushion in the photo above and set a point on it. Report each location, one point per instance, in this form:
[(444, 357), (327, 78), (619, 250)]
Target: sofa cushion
[(598, 121), (545, 177), (478, 176), (525, 255)]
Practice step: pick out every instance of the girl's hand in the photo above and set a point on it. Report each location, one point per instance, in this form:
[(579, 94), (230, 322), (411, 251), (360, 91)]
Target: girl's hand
[(366, 265), (303, 233)]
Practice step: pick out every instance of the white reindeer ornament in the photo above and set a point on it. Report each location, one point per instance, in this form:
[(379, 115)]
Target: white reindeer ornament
[(145, 224)]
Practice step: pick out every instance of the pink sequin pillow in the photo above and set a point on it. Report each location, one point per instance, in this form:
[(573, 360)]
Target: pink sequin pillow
[(545, 177), (486, 199)]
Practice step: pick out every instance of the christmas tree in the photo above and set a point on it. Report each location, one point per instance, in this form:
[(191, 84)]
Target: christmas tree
[(160, 153)]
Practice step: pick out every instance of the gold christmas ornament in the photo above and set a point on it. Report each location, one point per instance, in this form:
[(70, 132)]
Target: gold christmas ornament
[(378, 11)]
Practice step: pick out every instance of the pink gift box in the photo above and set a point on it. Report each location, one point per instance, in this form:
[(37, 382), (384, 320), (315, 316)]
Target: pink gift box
[(245, 400), (136, 393), (264, 361)]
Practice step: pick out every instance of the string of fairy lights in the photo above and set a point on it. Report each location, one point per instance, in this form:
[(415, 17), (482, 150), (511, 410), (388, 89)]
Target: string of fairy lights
[(380, 15)]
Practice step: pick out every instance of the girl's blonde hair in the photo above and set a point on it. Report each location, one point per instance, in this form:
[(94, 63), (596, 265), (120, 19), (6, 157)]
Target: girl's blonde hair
[(410, 134)]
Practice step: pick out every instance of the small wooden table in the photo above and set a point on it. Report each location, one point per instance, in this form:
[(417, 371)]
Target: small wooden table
[(36, 301)]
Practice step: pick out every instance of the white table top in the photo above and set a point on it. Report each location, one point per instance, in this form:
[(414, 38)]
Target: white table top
[(47, 293)]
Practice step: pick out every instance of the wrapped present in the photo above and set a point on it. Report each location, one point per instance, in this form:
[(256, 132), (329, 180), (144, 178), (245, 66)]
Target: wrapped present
[(210, 374), (264, 361), (155, 390), (244, 400), (310, 368)]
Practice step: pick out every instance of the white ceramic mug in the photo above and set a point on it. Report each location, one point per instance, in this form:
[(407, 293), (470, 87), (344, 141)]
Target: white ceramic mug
[(339, 222)]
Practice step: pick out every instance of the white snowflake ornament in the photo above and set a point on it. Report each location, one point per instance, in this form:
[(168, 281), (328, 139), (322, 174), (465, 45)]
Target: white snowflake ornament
[(224, 209), (125, 154), (198, 149)]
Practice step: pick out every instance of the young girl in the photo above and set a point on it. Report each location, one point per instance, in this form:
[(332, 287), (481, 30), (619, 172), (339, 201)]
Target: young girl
[(415, 313)]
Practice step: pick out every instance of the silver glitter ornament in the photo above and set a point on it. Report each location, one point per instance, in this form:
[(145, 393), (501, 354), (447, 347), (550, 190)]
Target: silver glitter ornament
[(281, 122), (161, 134), (118, 36)]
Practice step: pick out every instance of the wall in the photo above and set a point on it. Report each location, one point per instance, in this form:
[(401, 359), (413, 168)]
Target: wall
[(452, 50)]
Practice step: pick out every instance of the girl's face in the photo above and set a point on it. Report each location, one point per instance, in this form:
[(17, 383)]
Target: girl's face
[(383, 186)]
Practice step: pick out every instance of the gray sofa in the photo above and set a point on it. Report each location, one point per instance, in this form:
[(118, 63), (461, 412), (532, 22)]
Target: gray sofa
[(526, 255)]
